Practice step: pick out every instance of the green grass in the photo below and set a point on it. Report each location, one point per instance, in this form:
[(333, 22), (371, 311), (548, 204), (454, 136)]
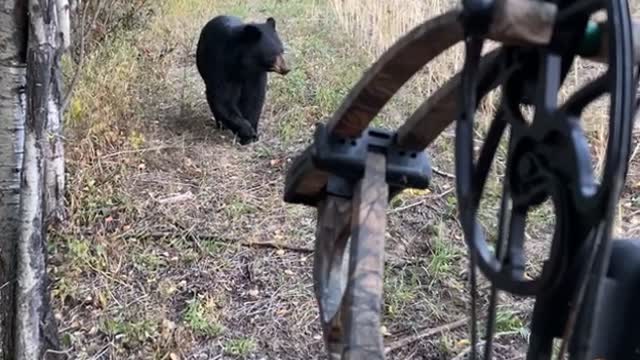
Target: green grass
[(443, 256), (201, 319), (134, 332), (400, 291), (507, 320), (150, 262), (240, 346), (236, 207)]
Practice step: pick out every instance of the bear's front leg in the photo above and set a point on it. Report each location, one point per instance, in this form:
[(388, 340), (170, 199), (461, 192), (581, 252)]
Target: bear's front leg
[(252, 99), (228, 115)]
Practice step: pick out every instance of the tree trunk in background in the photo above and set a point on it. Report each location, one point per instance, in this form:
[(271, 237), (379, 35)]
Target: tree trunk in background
[(54, 152), (54, 149), (13, 42), (36, 329)]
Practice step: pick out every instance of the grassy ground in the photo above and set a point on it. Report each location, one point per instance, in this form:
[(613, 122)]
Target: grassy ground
[(156, 262)]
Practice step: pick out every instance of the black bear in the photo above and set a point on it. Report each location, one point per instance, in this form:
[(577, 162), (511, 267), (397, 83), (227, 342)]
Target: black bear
[(233, 59)]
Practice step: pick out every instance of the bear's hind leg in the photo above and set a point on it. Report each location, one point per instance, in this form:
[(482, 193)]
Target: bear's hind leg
[(212, 106)]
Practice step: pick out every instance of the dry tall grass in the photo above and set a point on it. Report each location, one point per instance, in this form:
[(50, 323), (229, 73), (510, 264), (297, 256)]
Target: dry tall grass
[(376, 25)]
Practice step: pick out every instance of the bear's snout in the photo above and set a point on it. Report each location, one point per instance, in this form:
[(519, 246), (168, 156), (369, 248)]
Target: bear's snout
[(280, 66)]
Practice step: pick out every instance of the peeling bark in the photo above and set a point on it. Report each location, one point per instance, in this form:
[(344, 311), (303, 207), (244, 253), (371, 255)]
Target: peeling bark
[(36, 329), (31, 288), (54, 153), (13, 45), (31, 44)]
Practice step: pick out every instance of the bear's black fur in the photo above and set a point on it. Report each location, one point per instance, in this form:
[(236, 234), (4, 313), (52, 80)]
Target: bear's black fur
[(233, 59)]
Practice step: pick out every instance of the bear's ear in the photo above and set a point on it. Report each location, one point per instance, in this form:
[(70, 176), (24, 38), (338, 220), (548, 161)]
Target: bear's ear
[(272, 22), (250, 33)]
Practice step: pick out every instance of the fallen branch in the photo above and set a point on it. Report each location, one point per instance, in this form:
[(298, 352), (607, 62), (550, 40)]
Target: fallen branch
[(422, 202), (424, 334), (196, 237), (182, 234), (440, 329), (442, 173), (157, 148), (273, 245), (407, 207)]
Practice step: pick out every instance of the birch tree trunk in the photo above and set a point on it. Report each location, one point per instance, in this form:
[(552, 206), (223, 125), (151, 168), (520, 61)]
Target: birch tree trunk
[(30, 39), (54, 149), (13, 42), (36, 329), (54, 152)]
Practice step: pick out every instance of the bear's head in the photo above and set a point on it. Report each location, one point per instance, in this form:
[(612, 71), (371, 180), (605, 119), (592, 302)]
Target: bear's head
[(262, 48)]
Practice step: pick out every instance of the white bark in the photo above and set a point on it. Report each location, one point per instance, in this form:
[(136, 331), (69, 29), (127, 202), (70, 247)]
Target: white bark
[(64, 23), (54, 160), (54, 148), (13, 30), (35, 330), (31, 255)]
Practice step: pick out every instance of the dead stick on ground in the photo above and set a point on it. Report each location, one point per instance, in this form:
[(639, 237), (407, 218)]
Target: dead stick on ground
[(437, 330), (421, 202), (197, 236), (272, 245), (157, 148), (443, 173), (427, 333)]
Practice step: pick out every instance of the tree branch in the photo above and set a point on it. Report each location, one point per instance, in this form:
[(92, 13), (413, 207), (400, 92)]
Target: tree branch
[(83, 37), (273, 245), (423, 334)]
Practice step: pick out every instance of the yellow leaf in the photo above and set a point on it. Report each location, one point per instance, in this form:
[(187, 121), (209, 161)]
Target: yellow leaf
[(418, 192), (462, 343), (102, 298)]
